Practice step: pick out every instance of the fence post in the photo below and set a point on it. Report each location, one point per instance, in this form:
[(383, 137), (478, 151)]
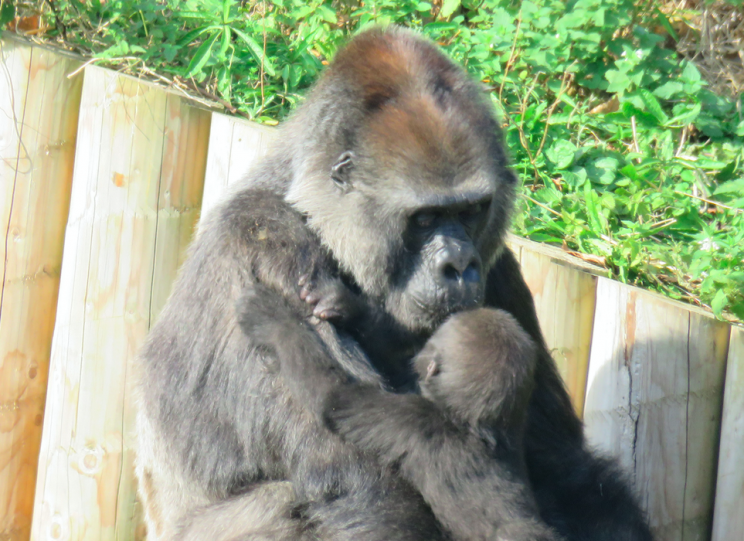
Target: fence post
[(728, 519), (38, 125), (235, 145), (560, 289), (654, 397), (139, 157)]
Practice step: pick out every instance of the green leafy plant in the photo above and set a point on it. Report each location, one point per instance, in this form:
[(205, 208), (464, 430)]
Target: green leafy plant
[(625, 153)]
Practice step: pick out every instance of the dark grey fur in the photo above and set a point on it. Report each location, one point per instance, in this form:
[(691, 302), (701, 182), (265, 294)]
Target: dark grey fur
[(461, 443), (397, 164), (219, 429)]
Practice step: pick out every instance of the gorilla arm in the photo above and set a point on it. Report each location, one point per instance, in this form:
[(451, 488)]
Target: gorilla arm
[(581, 495), (475, 490)]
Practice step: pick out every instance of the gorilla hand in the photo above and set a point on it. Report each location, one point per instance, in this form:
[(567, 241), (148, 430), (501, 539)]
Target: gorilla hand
[(330, 298)]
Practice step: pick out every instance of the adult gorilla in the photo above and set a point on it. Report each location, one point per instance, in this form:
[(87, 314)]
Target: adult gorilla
[(397, 166)]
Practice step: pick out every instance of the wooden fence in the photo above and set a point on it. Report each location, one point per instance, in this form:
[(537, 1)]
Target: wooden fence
[(103, 179)]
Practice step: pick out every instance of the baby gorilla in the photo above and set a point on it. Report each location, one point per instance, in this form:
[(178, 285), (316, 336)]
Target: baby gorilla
[(459, 444)]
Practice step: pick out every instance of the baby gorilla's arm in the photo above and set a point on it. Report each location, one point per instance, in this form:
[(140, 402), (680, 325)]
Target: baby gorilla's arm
[(389, 425), (475, 490)]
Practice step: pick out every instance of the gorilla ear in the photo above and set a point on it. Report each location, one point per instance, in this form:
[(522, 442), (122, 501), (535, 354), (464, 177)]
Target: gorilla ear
[(432, 369), (341, 171)]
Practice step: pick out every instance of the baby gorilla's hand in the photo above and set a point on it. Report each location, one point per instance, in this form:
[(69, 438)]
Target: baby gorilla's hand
[(330, 298)]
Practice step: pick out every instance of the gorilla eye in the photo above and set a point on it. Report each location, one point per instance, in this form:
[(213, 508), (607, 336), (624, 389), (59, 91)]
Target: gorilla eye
[(424, 219), (472, 211)]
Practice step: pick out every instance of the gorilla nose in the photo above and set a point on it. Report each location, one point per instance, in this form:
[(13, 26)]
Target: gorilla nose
[(458, 265)]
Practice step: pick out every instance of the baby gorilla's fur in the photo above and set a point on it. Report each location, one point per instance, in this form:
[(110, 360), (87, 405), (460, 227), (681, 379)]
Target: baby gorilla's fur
[(460, 444)]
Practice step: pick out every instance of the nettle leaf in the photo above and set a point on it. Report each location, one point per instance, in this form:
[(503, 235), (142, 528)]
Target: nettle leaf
[(719, 303), (118, 49), (619, 81), (727, 173), (669, 90), (603, 170), (685, 113), (709, 125), (653, 106), (448, 8), (562, 153), (327, 14), (690, 73), (735, 187)]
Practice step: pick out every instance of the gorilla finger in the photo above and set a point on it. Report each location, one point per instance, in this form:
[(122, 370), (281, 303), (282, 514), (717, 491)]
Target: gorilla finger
[(312, 297), (327, 314)]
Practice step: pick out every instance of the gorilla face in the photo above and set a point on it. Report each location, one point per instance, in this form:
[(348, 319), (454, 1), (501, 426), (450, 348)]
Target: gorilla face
[(412, 179)]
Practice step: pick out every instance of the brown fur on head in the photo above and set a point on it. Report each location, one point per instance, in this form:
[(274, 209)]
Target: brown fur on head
[(420, 134), (479, 365)]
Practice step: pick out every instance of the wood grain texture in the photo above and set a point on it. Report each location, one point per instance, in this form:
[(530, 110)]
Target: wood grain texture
[(728, 518), (131, 139), (654, 398), (38, 125), (564, 300), (180, 198), (235, 145)]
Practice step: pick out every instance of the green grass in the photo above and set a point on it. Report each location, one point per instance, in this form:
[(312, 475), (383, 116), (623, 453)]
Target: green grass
[(624, 152)]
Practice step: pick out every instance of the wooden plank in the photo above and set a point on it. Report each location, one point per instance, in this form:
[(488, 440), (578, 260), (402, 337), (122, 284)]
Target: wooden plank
[(235, 145), (654, 398), (38, 126), (85, 486), (218, 160), (728, 518), (181, 187), (564, 300)]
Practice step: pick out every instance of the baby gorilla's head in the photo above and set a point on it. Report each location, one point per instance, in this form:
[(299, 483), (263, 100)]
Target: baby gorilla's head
[(479, 365)]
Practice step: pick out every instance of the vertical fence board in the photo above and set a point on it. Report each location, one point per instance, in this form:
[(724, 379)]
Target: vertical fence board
[(235, 145), (654, 397), (85, 488), (728, 519), (559, 289), (181, 187), (38, 125)]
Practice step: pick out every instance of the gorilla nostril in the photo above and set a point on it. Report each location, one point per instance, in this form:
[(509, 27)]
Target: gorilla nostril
[(471, 274), (451, 273)]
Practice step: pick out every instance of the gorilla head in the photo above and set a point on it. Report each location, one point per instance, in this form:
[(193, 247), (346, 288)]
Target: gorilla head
[(405, 145), (479, 366)]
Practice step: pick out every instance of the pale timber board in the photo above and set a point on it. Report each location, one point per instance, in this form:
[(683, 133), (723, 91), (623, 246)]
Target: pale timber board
[(235, 146), (181, 187), (654, 398), (85, 488), (38, 126), (564, 300), (728, 518)]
